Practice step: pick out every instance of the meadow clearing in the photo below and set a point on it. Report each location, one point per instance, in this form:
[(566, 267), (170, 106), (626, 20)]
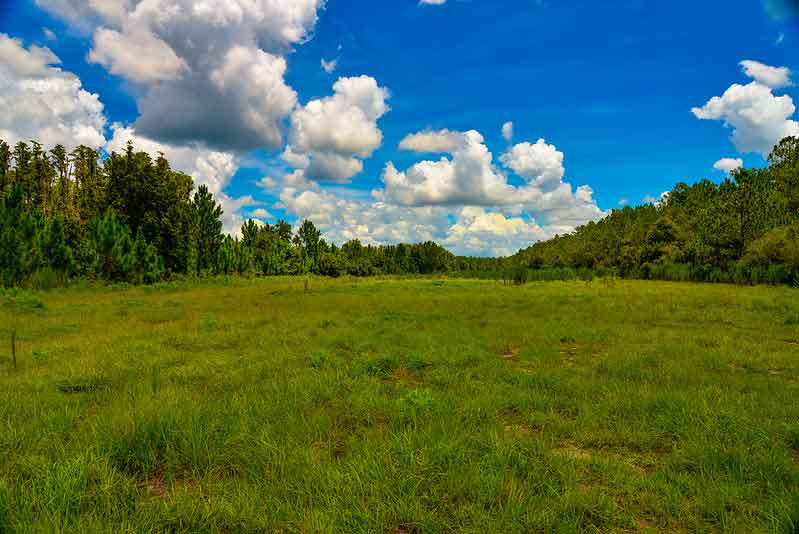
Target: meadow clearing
[(401, 406)]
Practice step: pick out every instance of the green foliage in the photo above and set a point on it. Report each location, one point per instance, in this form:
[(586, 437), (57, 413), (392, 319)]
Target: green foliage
[(64, 215), (111, 242), (149, 266), (208, 221), (56, 253), (742, 230), (233, 257), (18, 231)]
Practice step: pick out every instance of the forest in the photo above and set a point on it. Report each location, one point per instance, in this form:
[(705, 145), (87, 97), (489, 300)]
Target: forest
[(743, 230), (131, 218)]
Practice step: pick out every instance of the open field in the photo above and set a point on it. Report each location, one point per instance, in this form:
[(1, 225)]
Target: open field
[(401, 406)]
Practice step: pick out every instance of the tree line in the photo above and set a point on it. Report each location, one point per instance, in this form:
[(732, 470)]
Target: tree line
[(743, 230), (129, 217)]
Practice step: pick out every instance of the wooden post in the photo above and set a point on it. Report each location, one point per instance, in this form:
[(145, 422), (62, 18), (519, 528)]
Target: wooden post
[(14, 348)]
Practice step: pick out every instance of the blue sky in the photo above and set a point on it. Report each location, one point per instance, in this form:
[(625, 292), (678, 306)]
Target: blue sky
[(610, 85)]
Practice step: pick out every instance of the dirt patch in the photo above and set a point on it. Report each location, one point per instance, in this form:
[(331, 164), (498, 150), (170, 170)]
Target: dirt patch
[(404, 376), (158, 486), (641, 466)]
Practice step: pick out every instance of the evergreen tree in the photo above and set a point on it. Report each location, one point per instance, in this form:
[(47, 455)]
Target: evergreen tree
[(113, 246), (56, 253), (208, 220)]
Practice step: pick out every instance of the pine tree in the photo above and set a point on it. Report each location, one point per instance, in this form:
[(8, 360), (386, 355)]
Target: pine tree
[(112, 243), (208, 223), (56, 253)]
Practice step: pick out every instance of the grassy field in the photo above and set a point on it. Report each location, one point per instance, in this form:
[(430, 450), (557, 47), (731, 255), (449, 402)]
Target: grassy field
[(401, 406)]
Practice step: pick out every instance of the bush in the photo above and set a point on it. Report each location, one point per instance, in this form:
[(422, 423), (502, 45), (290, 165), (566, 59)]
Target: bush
[(774, 257)]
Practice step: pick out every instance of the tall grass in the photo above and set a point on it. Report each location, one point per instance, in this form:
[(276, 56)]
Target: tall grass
[(401, 405)]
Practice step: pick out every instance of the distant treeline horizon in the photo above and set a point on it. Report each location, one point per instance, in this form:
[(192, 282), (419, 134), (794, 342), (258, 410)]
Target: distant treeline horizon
[(129, 217)]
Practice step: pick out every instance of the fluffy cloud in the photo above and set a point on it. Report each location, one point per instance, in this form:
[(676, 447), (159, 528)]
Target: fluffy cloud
[(477, 231), (758, 118), (342, 219), (21, 62), (467, 230), (539, 163), (463, 202), (728, 164), (432, 141), (42, 102), (83, 14), (773, 77), (507, 131), (189, 57), (246, 90), (140, 57), (329, 136), (261, 213), (468, 178), (432, 2)]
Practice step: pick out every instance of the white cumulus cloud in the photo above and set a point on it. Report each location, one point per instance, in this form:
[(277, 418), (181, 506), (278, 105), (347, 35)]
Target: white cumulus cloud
[(42, 102), (330, 136), (432, 141), (468, 178), (728, 164), (140, 56), (759, 119), (774, 77), (538, 162), (462, 201), (477, 231), (188, 57)]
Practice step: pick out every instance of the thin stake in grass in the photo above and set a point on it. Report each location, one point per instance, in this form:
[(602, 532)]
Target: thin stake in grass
[(14, 346)]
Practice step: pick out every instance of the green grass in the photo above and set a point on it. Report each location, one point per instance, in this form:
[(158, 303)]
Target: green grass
[(401, 406)]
